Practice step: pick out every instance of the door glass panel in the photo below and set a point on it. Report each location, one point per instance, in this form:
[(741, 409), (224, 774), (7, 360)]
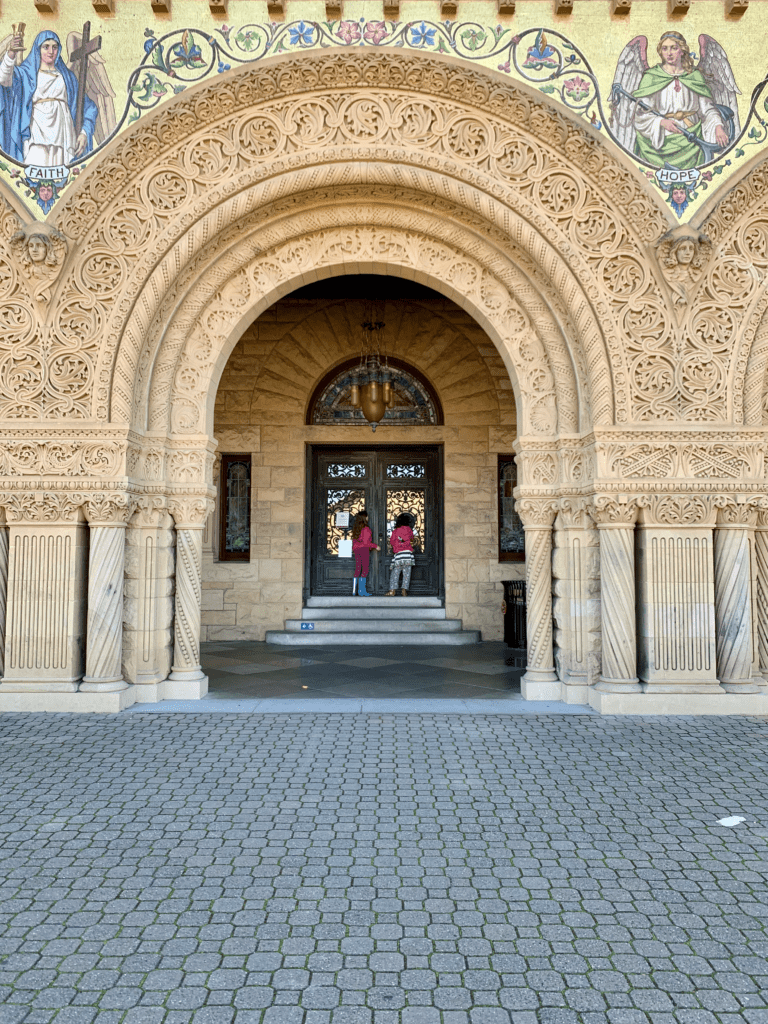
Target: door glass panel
[(340, 501), (413, 502), (346, 470), (406, 471)]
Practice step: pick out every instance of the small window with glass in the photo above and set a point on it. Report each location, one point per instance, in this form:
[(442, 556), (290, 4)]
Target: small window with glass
[(511, 534), (235, 518)]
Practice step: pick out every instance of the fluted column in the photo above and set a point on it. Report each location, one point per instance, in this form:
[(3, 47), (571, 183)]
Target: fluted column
[(46, 602), (616, 526), (189, 514), (733, 597), (540, 681), (761, 591), (3, 586), (107, 515)]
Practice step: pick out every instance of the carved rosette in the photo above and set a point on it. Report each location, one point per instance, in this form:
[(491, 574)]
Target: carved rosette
[(616, 523), (189, 514), (537, 516), (733, 595)]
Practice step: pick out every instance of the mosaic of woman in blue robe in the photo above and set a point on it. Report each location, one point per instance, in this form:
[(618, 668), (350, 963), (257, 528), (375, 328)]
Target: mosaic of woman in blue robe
[(38, 106)]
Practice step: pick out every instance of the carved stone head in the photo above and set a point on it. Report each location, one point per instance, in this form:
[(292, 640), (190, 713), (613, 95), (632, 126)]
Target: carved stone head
[(40, 251), (683, 253)]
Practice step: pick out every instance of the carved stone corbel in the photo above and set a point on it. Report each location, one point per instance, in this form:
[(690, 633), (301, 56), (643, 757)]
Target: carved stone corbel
[(40, 250), (683, 254)]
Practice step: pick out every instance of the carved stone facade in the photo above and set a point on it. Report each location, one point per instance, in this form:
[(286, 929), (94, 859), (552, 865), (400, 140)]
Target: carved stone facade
[(637, 353)]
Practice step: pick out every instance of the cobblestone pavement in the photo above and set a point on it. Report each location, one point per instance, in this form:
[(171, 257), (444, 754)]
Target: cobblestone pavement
[(382, 869)]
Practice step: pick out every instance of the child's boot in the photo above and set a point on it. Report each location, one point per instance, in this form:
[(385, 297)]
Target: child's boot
[(390, 593), (362, 591), (404, 592), (354, 585)]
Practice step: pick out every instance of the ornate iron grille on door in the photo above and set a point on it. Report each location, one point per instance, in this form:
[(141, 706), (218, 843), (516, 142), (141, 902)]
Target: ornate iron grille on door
[(386, 482)]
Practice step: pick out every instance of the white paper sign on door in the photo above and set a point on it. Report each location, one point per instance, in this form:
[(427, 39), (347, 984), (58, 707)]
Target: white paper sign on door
[(345, 548), (342, 520)]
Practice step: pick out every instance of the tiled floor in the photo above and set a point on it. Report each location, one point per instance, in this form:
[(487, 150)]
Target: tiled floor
[(247, 676)]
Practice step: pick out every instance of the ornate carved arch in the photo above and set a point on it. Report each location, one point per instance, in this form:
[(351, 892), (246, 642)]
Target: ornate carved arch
[(155, 215), (737, 225)]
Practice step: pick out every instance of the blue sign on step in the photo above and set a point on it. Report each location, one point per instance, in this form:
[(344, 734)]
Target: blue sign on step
[(307, 625)]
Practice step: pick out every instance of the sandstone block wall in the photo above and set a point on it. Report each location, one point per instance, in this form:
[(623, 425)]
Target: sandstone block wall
[(261, 408)]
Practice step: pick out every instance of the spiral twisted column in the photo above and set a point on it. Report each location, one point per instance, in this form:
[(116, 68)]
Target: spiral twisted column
[(3, 590), (761, 590), (733, 598), (540, 681), (616, 526), (189, 515), (107, 516)]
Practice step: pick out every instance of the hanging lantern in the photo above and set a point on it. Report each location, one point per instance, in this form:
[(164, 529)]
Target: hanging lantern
[(371, 389)]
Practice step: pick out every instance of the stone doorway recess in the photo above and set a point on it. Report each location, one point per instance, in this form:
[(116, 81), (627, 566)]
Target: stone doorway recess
[(385, 480)]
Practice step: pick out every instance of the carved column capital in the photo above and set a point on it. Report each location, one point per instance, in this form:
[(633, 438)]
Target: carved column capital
[(739, 512), (536, 513), (42, 507), (190, 511), (573, 514), (612, 513), (109, 509), (676, 510), (148, 511)]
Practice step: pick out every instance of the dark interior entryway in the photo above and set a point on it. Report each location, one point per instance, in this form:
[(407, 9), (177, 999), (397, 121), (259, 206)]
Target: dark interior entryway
[(386, 481)]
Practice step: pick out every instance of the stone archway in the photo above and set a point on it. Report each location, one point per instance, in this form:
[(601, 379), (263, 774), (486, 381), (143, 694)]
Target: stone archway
[(311, 165)]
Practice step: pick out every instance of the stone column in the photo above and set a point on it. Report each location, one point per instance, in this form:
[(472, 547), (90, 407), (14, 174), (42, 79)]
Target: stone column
[(147, 612), (761, 591), (616, 526), (576, 602), (676, 621), (107, 515), (733, 597), (3, 586), (189, 514), (46, 602), (540, 681)]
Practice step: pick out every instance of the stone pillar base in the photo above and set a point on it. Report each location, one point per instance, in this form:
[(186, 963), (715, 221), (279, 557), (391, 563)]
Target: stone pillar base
[(678, 703), (747, 686), (190, 687), (604, 685), (540, 684), (102, 685), (37, 686), (686, 686)]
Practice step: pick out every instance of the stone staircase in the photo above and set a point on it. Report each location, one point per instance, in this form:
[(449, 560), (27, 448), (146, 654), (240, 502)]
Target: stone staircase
[(372, 620)]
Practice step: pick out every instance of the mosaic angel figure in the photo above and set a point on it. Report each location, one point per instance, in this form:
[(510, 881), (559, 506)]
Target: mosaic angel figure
[(677, 113)]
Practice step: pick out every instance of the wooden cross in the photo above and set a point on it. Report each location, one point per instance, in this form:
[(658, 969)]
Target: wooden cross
[(84, 50)]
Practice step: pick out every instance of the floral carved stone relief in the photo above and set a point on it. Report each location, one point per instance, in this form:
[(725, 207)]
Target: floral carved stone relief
[(497, 140)]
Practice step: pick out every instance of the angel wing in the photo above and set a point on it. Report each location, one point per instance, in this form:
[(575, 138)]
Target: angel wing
[(716, 68), (632, 65), (98, 88)]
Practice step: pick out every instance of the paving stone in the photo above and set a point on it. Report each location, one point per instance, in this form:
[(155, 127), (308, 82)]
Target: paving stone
[(382, 869)]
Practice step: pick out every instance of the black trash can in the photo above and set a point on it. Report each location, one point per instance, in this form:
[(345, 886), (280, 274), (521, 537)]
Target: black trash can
[(514, 609)]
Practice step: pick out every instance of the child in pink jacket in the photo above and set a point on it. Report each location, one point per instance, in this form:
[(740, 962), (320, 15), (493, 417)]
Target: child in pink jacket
[(401, 540), (362, 546)]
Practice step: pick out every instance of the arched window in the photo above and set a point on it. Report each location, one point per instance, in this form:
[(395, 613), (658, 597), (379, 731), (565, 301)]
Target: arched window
[(416, 403)]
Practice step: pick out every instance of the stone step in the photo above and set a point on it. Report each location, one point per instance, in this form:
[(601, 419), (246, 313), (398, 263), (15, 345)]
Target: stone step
[(373, 625), (380, 601), (362, 610), (312, 639)]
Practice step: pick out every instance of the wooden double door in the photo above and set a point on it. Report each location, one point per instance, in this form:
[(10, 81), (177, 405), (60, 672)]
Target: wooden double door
[(385, 482)]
